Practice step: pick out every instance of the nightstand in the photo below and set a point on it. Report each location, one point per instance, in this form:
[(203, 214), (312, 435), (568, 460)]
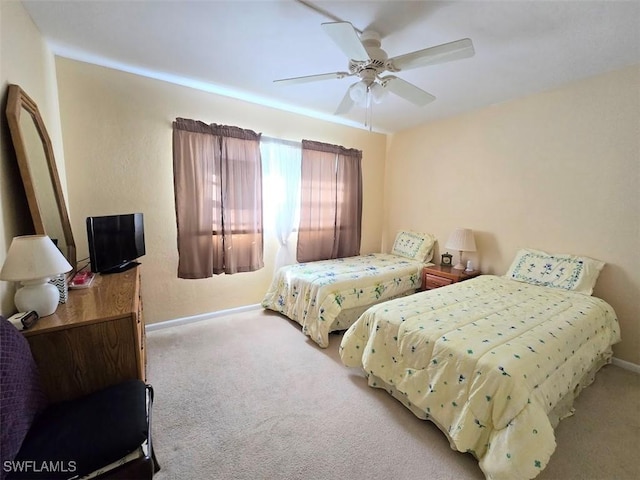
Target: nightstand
[(438, 276)]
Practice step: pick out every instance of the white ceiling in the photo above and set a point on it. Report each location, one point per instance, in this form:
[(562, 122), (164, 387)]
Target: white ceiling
[(238, 48)]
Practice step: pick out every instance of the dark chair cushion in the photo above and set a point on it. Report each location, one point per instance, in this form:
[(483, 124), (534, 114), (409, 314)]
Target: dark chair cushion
[(21, 395), (79, 436)]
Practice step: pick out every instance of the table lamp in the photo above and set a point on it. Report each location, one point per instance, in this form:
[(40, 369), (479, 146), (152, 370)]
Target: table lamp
[(462, 240), (33, 260)]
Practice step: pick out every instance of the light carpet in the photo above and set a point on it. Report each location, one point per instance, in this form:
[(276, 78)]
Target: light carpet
[(248, 396)]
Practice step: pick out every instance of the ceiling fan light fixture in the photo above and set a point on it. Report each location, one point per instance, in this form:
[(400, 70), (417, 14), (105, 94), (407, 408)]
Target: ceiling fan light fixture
[(378, 92), (358, 92)]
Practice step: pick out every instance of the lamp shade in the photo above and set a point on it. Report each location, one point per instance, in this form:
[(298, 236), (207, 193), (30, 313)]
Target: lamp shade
[(33, 257), (461, 239)]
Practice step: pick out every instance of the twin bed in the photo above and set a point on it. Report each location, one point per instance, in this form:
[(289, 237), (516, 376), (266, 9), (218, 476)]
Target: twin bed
[(329, 295), (494, 362)]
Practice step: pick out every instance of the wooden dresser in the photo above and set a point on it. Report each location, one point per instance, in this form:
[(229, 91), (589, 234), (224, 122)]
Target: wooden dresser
[(94, 340)]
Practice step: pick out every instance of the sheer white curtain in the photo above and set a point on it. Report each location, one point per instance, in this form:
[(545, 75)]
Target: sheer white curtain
[(281, 160)]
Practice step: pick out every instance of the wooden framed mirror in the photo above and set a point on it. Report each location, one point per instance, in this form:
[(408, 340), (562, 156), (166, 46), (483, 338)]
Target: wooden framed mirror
[(39, 172)]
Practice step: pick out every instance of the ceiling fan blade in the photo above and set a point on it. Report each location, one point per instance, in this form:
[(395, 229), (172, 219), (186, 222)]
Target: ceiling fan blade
[(345, 104), (312, 78), (407, 90), (433, 55), (346, 37)]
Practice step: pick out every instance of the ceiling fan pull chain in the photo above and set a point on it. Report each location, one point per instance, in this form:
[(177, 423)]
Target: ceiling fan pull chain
[(368, 109)]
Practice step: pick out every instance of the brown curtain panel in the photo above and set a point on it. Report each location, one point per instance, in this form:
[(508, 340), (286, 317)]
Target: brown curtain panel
[(218, 195), (331, 202)]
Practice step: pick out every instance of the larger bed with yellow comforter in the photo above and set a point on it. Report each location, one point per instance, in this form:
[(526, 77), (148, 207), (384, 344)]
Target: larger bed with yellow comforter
[(494, 362)]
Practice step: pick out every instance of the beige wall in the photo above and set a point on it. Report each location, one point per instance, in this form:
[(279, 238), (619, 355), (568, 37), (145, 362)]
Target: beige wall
[(25, 60), (117, 136), (558, 171)]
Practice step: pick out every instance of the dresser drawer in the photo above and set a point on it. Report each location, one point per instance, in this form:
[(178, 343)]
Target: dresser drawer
[(433, 281)]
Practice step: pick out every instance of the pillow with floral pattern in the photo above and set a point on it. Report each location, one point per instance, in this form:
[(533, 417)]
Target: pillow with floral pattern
[(568, 272), (414, 245)]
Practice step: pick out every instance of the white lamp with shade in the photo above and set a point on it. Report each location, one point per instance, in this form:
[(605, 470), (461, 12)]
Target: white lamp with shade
[(33, 260), (461, 239)]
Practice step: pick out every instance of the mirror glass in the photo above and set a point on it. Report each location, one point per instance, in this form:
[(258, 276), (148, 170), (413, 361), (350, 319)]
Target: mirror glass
[(39, 172)]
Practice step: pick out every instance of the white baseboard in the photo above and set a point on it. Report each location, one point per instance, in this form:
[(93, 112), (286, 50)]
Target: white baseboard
[(626, 365), (198, 318)]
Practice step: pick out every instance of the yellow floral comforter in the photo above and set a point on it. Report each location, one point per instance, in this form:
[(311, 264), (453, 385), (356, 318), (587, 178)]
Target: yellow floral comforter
[(315, 293), (486, 360)]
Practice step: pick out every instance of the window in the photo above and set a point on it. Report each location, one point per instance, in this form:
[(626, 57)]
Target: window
[(218, 194), (331, 202), (281, 192), (218, 181)]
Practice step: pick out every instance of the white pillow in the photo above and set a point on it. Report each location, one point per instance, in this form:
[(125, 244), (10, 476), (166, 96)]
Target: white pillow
[(414, 245), (568, 272)]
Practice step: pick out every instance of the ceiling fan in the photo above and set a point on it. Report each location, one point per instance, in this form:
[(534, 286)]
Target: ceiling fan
[(368, 62)]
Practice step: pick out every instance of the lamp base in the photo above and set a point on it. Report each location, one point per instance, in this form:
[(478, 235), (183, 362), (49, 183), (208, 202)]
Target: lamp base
[(459, 265), (38, 295)]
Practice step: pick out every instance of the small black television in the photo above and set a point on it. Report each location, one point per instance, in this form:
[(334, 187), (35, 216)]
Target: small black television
[(115, 242)]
